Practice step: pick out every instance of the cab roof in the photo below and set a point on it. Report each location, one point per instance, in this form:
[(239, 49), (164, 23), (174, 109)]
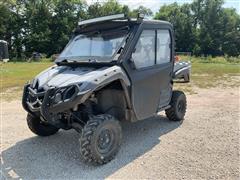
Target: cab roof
[(118, 17), (114, 21)]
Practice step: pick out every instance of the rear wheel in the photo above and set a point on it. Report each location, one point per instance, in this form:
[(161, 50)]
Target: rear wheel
[(40, 128), (178, 106), (101, 139)]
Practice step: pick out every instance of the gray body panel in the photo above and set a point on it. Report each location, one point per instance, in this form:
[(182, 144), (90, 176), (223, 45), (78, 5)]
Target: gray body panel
[(89, 78)]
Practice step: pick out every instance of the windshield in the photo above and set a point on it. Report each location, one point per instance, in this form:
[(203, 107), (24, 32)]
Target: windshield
[(97, 47)]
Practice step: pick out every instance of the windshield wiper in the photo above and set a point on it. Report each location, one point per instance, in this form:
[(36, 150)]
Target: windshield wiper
[(93, 60), (69, 61)]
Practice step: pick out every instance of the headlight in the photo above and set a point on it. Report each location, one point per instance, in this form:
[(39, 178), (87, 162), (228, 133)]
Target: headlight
[(69, 92), (65, 93), (58, 98)]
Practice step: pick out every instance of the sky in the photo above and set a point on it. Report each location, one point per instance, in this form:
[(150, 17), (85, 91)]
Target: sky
[(155, 4)]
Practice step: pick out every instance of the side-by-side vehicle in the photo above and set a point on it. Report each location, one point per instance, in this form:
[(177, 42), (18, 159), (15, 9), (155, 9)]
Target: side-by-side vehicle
[(113, 69)]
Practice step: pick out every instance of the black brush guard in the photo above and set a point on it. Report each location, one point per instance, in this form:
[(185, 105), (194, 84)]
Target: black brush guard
[(41, 103)]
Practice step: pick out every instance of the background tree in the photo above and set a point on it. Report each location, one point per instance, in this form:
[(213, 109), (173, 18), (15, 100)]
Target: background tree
[(202, 27), (113, 7), (11, 25), (5, 13), (37, 20), (230, 36), (102, 9), (210, 27), (182, 20), (65, 17), (141, 9)]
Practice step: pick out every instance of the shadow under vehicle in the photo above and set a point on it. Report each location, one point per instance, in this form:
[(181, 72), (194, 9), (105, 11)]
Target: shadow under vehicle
[(113, 69)]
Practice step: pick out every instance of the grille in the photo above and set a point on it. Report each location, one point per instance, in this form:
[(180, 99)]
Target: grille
[(35, 97)]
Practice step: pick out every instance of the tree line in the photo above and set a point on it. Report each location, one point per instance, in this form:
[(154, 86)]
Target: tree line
[(202, 27)]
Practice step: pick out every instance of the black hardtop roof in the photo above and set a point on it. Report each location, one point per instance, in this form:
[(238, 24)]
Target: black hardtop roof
[(114, 21), (148, 21), (119, 18)]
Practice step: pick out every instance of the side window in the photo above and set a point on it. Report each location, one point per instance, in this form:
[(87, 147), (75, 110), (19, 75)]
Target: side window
[(144, 55), (163, 46)]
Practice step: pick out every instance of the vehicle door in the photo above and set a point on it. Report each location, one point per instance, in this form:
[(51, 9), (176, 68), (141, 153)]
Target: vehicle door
[(150, 70)]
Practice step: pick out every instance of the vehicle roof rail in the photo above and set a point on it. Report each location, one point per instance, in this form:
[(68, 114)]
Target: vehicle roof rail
[(103, 18)]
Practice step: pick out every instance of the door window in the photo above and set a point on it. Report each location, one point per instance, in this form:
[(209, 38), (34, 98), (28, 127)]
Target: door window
[(144, 55), (163, 46)]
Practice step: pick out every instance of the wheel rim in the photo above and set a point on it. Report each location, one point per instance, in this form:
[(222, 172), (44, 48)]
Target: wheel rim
[(181, 106), (105, 141)]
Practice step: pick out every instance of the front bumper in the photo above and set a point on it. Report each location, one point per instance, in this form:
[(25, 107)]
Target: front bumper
[(42, 103)]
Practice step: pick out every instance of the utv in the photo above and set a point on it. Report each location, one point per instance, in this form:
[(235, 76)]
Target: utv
[(113, 69)]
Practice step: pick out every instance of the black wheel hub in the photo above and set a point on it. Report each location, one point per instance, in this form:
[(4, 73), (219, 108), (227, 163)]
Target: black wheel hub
[(181, 107), (105, 141)]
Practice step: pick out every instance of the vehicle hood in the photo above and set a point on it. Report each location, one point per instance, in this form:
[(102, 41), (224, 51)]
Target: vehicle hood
[(60, 76)]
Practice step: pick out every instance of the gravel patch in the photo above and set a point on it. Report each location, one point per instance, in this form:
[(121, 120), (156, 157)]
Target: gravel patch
[(205, 145)]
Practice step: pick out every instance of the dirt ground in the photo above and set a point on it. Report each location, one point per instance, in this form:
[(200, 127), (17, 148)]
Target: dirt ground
[(205, 145)]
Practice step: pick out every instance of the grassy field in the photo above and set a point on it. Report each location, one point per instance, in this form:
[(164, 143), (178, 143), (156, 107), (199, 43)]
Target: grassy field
[(210, 75), (204, 75), (17, 74)]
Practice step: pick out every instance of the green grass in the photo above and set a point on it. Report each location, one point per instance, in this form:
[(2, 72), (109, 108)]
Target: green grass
[(215, 68), (210, 59), (17, 74), (209, 75), (212, 75)]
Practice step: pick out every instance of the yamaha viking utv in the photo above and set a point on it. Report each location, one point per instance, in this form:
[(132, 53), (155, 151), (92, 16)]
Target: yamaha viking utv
[(113, 69)]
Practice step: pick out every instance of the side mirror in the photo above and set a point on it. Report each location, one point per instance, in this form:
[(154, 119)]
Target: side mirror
[(131, 62), (134, 50)]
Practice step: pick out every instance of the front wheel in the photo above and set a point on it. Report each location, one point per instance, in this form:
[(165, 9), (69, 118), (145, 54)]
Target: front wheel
[(178, 106), (40, 128), (101, 139)]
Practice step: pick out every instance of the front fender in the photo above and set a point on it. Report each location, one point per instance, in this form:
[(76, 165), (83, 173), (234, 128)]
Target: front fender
[(105, 77)]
